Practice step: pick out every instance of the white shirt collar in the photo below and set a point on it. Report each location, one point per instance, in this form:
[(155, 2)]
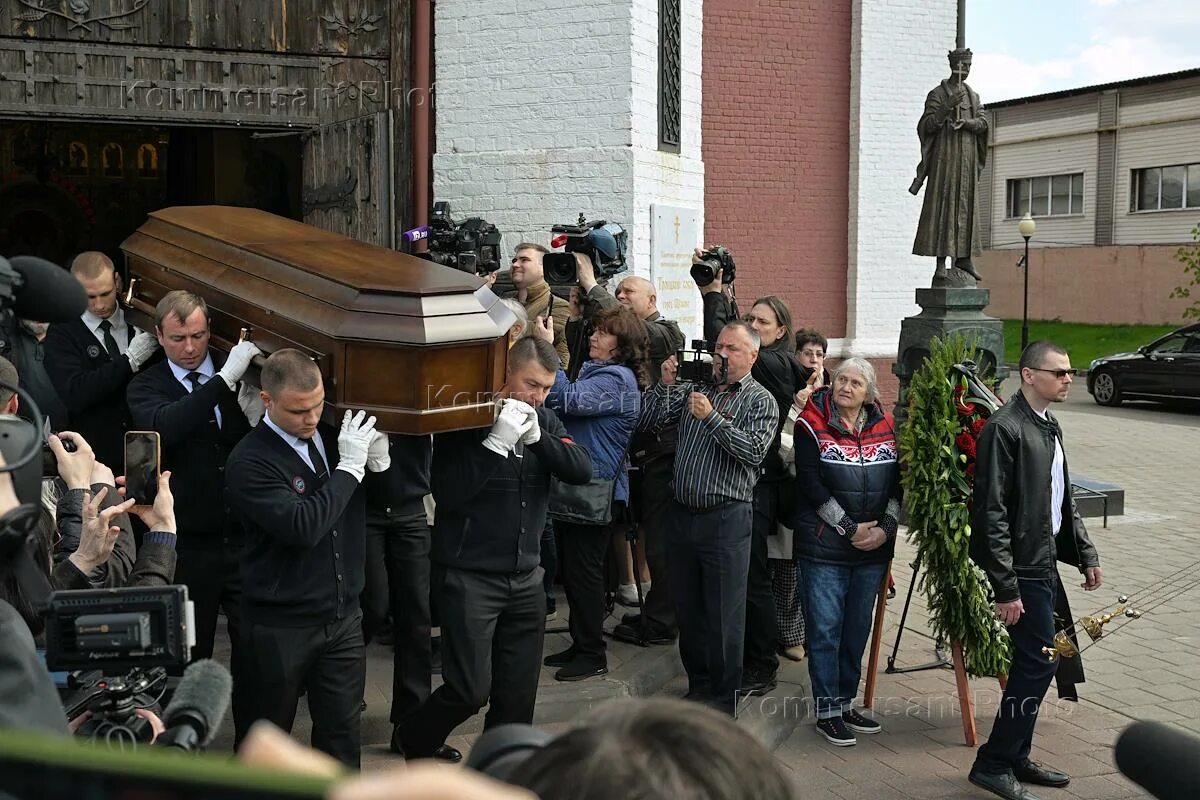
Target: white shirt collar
[(294, 441), (93, 322), (205, 369)]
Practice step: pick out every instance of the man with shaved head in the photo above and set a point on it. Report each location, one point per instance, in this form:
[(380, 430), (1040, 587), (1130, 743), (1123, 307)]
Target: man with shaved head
[(91, 360)]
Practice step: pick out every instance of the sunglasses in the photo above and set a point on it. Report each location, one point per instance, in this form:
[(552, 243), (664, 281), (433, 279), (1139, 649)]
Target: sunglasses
[(1058, 373)]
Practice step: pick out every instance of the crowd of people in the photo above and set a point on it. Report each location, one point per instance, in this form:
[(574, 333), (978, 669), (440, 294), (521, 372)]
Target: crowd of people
[(765, 499)]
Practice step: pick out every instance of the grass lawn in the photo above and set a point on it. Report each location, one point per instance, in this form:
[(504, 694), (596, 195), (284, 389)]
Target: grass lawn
[(1083, 342)]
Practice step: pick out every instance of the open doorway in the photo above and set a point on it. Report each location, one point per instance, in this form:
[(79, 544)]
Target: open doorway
[(66, 187)]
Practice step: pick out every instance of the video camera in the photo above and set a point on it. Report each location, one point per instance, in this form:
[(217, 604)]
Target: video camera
[(602, 241), (472, 245), (715, 259), (113, 703), (697, 365)]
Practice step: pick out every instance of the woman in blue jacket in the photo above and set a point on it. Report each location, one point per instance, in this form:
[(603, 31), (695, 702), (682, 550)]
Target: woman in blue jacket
[(600, 410)]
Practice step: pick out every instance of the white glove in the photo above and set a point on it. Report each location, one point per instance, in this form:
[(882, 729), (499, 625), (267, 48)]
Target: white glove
[(140, 349), (379, 456), (250, 401), (535, 430), (354, 441), (506, 431), (238, 362)]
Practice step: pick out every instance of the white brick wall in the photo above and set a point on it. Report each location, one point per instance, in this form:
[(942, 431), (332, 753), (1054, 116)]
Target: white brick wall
[(898, 53), (548, 108)]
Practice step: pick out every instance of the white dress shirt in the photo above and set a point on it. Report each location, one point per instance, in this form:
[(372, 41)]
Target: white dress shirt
[(1058, 486), (121, 330), (298, 444), (206, 372)]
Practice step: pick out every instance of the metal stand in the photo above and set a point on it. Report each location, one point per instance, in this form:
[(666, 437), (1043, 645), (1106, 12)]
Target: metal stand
[(942, 660)]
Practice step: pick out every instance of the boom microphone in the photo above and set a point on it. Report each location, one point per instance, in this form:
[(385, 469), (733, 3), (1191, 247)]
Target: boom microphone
[(1161, 759), (40, 290), (195, 712)]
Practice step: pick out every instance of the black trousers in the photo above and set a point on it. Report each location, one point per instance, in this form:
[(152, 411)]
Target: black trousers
[(397, 580), (549, 558), (762, 633), (328, 661), (1028, 680), (492, 631), (213, 578), (710, 557), (653, 498), (581, 553)]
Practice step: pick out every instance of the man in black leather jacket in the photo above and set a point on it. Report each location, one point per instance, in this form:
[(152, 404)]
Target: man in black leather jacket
[(1024, 521)]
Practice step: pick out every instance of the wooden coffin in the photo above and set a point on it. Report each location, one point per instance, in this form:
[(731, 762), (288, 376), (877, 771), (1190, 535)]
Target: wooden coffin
[(421, 346)]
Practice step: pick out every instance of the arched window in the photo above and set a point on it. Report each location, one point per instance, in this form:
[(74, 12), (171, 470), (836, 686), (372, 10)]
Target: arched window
[(147, 161), (77, 158), (113, 157)]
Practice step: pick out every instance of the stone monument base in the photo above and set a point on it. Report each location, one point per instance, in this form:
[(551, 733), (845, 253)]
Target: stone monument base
[(947, 310)]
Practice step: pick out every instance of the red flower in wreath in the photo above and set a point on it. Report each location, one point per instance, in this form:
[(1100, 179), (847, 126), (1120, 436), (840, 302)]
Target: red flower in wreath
[(977, 426), (970, 470), (966, 444)]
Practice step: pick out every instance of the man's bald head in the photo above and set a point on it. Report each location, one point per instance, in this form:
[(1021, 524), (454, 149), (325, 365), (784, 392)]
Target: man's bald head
[(98, 277), (639, 294)]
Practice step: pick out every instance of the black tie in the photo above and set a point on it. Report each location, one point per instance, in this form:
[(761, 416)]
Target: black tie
[(318, 463), (110, 343), (195, 377)]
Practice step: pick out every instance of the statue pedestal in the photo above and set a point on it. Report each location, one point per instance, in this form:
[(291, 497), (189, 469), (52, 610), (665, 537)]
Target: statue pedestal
[(947, 310)]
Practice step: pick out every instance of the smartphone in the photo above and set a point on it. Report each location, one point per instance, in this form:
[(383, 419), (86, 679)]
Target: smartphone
[(142, 466)]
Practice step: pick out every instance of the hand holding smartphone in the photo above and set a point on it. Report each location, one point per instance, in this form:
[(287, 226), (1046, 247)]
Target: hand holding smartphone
[(142, 466)]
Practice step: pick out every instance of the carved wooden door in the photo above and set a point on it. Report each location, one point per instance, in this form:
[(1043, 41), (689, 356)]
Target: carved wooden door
[(348, 178)]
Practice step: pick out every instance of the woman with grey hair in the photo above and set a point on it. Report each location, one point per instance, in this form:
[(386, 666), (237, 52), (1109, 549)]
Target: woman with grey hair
[(521, 326), (847, 516)]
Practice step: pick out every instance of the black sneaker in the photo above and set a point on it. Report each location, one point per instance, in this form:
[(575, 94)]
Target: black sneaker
[(560, 659), (758, 682), (860, 724), (834, 731), (579, 670)]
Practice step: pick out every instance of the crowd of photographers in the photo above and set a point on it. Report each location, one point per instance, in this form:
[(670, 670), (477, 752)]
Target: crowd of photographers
[(635, 470)]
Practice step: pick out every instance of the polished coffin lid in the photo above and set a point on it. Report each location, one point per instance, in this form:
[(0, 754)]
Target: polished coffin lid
[(421, 346)]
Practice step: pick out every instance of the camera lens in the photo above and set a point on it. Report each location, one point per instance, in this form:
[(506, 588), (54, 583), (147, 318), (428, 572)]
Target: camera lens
[(705, 272)]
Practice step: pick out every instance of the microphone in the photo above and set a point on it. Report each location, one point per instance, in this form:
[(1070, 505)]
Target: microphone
[(414, 235), (43, 291), (1161, 759), (195, 712)]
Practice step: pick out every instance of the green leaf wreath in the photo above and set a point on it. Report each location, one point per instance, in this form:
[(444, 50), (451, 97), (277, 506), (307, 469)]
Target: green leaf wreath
[(937, 447)]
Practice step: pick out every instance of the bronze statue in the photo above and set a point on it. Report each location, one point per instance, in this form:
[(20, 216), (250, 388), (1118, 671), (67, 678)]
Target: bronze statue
[(953, 133)]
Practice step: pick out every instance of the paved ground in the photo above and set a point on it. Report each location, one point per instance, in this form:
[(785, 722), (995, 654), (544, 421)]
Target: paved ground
[(1147, 670)]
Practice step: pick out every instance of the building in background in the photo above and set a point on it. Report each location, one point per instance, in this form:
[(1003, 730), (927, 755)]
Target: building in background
[(1111, 174)]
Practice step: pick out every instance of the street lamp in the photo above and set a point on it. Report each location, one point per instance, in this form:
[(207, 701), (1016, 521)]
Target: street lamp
[(1026, 227)]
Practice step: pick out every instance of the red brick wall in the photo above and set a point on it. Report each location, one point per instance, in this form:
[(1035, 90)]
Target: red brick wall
[(1122, 285), (775, 133)]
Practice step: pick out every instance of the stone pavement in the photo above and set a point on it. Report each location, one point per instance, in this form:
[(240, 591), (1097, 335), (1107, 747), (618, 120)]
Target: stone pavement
[(1146, 671)]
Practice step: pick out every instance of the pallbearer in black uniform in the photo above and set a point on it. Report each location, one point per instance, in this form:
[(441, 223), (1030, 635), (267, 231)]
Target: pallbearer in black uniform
[(295, 487)]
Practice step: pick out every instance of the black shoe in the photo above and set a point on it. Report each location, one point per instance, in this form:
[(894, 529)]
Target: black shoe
[(551, 608), (1004, 784), (632, 633), (581, 671), (860, 724), (1029, 772), (448, 754), (835, 732), (756, 682), (397, 745), (560, 659)]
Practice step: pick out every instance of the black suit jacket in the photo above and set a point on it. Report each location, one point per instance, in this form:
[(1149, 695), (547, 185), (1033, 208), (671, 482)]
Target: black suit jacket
[(92, 386), (305, 539), (193, 447)]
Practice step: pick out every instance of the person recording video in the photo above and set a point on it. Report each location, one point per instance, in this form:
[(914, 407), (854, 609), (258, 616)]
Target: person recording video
[(533, 292), (778, 371)]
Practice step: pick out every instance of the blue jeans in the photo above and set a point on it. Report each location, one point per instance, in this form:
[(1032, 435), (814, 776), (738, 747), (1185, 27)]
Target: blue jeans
[(838, 601)]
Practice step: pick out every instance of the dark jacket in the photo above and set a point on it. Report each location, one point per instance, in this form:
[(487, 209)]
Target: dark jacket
[(491, 510), (92, 386), (152, 564), (1011, 535), (304, 540), (538, 301), (401, 488), (28, 700), (776, 369), (194, 448), (600, 410), (844, 478), (29, 357)]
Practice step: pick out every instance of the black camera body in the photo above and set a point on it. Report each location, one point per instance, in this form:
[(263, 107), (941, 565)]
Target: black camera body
[(715, 259), (697, 365), (136, 627), (472, 245), (601, 241), (113, 703)]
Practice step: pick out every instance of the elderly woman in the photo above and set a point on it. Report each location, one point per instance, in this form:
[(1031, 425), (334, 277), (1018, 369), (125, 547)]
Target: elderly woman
[(521, 326), (847, 511), (600, 411)]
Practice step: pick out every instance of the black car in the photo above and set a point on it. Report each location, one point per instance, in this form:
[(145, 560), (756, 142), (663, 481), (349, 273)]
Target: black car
[(1166, 369)]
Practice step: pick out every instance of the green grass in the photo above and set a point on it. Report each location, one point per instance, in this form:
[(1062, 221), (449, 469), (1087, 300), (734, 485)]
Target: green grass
[(1083, 342)]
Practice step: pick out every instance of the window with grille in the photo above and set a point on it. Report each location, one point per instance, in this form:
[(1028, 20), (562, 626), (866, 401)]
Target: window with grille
[(670, 99)]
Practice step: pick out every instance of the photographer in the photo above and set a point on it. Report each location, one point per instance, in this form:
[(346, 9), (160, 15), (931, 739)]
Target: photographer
[(534, 294), (782, 375), (725, 432)]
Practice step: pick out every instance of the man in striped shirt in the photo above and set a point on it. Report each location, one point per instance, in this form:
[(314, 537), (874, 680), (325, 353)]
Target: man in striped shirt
[(725, 432)]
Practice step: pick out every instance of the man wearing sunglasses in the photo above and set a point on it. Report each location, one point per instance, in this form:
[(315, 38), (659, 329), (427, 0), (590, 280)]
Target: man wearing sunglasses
[(1024, 520)]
